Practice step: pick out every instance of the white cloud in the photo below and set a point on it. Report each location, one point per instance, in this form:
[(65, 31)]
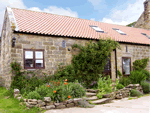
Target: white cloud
[(11, 3), (124, 17), (20, 4), (95, 2), (56, 10), (92, 19)]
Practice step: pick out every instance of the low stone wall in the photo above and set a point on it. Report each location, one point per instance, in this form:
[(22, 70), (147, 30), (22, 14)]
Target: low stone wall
[(47, 104), (125, 92)]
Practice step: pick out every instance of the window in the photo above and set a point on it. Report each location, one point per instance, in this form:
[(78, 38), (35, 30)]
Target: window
[(126, 65), (146, 35), (96, 28), (33, 59), (119, 31)]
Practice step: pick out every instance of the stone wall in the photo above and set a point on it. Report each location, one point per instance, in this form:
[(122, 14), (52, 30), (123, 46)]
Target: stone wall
[(55, 54), (6, 51), (135, 52), (144, 20)]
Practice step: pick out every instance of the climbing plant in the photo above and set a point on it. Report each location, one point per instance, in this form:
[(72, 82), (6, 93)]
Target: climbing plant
[(90, 62)]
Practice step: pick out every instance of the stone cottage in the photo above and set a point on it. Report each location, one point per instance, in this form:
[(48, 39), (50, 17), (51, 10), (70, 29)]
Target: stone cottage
[(40, 41)]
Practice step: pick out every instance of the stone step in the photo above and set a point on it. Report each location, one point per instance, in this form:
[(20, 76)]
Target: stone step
[(90, 98), (102, 101), (90, 94), (92, 90)]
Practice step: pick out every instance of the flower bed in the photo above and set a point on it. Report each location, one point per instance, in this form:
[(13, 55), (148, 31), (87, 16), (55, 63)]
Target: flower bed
[(47, 103)]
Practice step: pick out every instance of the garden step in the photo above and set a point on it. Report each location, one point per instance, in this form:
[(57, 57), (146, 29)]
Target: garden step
[(92, 90), (101, 101), (90, 98), (90, 94)]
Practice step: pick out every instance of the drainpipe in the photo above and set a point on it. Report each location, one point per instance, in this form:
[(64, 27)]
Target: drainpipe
[(116, 61)]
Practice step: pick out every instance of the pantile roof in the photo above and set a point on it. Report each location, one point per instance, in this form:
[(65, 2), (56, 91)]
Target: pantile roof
[(52, 24)]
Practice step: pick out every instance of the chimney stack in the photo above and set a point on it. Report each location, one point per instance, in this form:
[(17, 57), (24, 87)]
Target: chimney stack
[(147, 14)]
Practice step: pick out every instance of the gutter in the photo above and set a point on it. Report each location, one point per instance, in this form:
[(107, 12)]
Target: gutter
[(116, 61)]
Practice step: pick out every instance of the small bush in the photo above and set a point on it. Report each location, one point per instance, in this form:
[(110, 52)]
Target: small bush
[(137, 76), (42, 90), (119, 73), (135, 93), (33, 95), (125, 81), (140, 64), (147, 73), (146, 86), (119, 86)]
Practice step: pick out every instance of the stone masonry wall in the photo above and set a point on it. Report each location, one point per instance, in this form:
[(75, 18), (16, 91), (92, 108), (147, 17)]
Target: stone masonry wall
[(54, 52), (144, 20), (6, 51), (135, 52)]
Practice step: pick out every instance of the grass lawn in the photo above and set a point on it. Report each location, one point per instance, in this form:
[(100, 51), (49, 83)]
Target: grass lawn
[(11, 105)]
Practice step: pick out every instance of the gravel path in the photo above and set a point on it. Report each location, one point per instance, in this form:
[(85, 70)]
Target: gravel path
[(140, 105)]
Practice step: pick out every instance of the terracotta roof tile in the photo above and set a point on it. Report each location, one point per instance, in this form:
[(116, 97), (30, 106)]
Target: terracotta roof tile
[(51, 24)]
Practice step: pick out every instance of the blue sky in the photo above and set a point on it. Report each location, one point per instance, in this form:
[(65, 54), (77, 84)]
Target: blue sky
[(120, 12)]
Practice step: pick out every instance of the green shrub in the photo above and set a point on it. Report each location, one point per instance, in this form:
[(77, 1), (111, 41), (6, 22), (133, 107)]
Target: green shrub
[(125, 81), (77, 90), (140, 64), (135, 93), (33, 95), (137, 76), (146, 86), (90, 62), (119, 86), (42, 90), (147, 73), (119, 73), (104, 86)]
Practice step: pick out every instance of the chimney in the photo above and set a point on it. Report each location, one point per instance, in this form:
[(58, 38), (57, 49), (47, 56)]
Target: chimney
[(147, 14)]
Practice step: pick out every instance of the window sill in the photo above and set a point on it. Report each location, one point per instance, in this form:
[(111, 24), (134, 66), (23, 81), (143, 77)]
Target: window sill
[(31, 69)]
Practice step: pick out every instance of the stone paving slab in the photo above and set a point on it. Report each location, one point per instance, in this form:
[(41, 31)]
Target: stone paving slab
[(100, 101), (141, 105), (90, 94)]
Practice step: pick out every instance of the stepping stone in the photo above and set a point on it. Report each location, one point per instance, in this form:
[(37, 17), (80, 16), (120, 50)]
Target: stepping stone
[(91, 98), (90, 94), (92, 90), (101, 101)]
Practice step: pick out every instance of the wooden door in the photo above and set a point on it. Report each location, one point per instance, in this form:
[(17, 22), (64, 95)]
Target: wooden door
[(107, 68)]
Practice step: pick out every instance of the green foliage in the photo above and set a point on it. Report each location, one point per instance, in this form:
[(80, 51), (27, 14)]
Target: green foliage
[(104, 86), (146, 86), (18, 80), (137, 76), (33, 95), (119, 73), (125, 81), (59, 92), (147, 74), (140, 64), (42, 90), (89, 62), (119, 86), (131, 24), (135, 93), (24, 83)]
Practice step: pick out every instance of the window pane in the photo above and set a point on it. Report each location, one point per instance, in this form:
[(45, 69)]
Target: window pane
[(38, 54), (126, 66), (28, 54), (39, 63), (28, 62)]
